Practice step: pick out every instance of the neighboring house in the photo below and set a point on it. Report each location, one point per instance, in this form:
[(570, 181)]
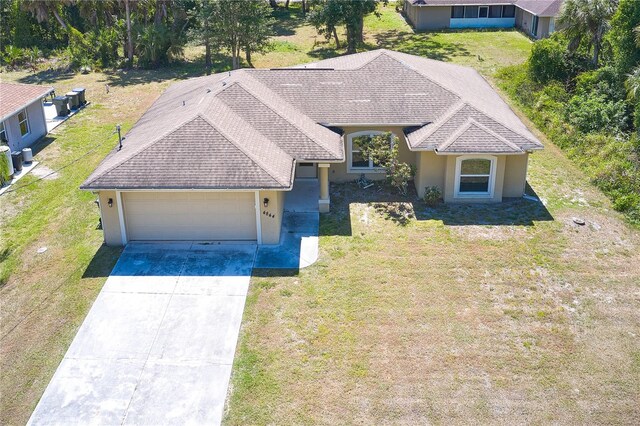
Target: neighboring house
[(535, 17), (214, 157), (22, 118)]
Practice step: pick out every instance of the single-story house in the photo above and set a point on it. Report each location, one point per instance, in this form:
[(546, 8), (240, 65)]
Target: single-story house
[(534, 17), (214, 157), (22, 118)]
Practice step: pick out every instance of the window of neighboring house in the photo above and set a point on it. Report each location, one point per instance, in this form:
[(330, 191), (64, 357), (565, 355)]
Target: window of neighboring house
[(3, 133), (534, 26), (475, 176), (23, 122), (495, 11), (508, 11), (471, 11), (483, 12), (357, 161), (457, 12)]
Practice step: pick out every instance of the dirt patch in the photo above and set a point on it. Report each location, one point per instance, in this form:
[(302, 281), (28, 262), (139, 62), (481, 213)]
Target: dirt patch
[(43, 172)]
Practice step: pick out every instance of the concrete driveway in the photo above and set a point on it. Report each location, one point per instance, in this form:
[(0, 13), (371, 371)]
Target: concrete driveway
[(157, 346)]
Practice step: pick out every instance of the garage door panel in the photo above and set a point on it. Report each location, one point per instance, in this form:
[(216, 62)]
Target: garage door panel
[(199, 216)]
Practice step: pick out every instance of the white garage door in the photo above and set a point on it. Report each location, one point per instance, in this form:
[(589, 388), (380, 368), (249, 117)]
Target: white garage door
[(190, 216)]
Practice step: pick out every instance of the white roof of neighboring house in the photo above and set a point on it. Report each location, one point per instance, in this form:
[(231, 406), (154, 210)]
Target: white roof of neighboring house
[(15, 96)]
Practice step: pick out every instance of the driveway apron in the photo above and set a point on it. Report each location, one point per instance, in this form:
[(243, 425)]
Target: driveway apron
[(157, 345)]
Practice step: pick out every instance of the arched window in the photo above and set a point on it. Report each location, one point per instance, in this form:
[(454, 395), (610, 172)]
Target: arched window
[(357, 163), (475, 176)]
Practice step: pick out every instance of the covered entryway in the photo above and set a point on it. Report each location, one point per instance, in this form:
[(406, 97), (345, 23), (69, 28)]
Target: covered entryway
[(190, 216), (306, 171)]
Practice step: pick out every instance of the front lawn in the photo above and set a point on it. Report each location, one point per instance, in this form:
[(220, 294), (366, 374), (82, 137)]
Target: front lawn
[(401, 320)]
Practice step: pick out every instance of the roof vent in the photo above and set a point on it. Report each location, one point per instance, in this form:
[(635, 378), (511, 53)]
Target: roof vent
[(184, 103), (208, 90)]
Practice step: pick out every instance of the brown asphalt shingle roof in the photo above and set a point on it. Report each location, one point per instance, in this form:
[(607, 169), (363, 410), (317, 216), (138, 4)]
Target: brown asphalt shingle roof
[(245, 129), (15, 96)]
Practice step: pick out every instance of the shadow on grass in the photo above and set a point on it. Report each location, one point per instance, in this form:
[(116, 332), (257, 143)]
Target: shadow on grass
[(50, 76), (42, 143), (102, 262), (421, 44), (269, 272), (403, 209), (287, 20)]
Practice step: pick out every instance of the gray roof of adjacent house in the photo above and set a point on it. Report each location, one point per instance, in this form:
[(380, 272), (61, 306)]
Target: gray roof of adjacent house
[(246, 129), (542, 8), (15, 96)]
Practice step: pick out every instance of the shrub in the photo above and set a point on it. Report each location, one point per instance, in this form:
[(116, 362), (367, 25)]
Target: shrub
[(383, 150), (547, 61), (4, 169), (432, 196), (593, 112)]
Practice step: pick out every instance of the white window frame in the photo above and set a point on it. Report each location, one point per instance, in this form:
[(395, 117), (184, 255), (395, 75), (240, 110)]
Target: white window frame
[(483, 7), (26, 121), (371, 168), (492, 177), (3, 133)]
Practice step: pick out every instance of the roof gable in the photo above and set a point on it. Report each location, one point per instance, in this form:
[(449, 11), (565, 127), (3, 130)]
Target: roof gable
[(474, 137), (15, 96)]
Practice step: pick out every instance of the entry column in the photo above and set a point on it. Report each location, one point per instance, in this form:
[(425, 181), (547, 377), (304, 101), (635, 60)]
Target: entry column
[(324, 201)]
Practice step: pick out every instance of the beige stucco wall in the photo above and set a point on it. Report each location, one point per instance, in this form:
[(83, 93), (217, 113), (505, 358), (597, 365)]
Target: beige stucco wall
[(338, 172), (449, 183), (271, 225), (430, 171), (524, 21), (37, 127), (515, 175), (110, 219)]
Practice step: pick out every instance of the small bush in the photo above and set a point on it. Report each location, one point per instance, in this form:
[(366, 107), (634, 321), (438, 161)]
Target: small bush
[(593, 112), (432, 196), (547, 61)]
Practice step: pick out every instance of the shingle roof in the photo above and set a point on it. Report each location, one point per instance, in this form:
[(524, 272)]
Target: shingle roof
[(15, 96), (473, 136), (245, 129), (537, 7)]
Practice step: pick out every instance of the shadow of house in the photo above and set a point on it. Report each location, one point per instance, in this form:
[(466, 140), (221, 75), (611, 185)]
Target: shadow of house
[(103, 262), (403, 209)]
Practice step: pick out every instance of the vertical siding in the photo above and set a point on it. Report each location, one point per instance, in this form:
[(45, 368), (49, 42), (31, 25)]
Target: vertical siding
[(37, 127)]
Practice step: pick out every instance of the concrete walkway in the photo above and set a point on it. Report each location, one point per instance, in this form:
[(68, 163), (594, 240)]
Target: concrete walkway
[(158, 344), (298, 246)]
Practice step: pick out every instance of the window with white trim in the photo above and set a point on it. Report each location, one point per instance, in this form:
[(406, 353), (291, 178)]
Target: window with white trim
[(23, 122), (475, 176), (3, 133), (357, 161)]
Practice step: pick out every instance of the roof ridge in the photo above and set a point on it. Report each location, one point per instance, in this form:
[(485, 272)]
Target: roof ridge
[(143, 149), (453, 110), (279, 114), (466, 126), (253, 158), (389, 54), (499, 122)]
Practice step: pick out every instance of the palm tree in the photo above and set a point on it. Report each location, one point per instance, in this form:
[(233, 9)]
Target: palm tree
[(587, 19), (42, 10), (633, 80)]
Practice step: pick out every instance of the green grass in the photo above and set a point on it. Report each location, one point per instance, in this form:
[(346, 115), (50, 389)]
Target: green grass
[(434, 318)]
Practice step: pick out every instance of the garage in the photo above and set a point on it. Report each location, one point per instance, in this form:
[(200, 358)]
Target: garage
[(190, 216)]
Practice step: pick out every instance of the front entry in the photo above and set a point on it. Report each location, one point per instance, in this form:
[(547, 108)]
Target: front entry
[(306, 171)]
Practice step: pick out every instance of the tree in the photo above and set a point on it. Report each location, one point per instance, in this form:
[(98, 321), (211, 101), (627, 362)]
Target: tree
[(42, 10), (239, 25), (587, 20), (382, 149), (129, 37), (326, 15), (626, 50)]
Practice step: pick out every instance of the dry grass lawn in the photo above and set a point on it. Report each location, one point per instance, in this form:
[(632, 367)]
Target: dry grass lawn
[(452, 315)]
